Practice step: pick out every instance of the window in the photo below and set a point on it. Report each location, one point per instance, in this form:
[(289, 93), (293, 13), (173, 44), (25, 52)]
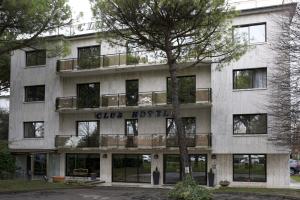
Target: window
[(88, 131), (253, 33), (132, 92), (249, 168), (33, 129), (187, 89), (250, 78), (34, 93), (131, 127), (40, 164), (189, 125), (89, 57), (172, 168), (88, 95), (36, 57), (250, 124), (82, 164), (131, 168)]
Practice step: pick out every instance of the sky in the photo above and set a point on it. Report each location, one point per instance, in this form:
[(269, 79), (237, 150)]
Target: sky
[(84, 6)]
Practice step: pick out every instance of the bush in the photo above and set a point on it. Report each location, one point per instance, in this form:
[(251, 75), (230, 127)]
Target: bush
[(7, 162), (188, 189)]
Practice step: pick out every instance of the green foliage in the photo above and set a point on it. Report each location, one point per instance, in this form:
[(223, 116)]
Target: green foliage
[(7, 161), (188, 189), (4, 125), (4, 72)]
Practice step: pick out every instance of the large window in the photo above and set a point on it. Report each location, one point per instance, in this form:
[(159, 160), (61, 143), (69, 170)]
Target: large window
[(36, 57), (172, 168), (253, 33), (88, 131), (40, 164), (189, 125), (250, 78), (249, 168), (88, 95), (131, 127), (187, 89), (33, 129), (34, 93), (89, 57), (82, 164), (132, 92), (134, 168), (250, 124)]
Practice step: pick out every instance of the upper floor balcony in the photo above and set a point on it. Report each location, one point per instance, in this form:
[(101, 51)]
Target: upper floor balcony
[(109, 63), (199, 98), (119, 141)]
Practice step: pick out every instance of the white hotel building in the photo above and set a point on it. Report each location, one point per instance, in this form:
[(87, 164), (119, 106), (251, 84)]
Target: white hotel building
[(105, 112)]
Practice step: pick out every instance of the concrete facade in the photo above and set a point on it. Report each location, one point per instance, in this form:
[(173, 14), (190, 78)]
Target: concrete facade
[(214, 117)]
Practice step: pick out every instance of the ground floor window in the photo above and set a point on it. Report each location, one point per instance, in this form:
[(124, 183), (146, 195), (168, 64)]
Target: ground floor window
[(131, 168), (172, 168), (249, 168), (40, 164), (82, 164)]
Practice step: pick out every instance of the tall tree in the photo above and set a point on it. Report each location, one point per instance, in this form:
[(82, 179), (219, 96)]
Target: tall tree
[(179, 30), (284, 82), (21, 24)]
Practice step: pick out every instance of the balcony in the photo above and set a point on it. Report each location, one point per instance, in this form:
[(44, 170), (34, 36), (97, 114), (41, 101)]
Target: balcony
[(118, 141), (72, 141), (109, 60), (145, 99)]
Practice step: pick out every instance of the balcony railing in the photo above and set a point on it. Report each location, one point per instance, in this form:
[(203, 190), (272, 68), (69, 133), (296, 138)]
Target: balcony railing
[(72, 141), (118, 141), (103, 61), (203, 95)]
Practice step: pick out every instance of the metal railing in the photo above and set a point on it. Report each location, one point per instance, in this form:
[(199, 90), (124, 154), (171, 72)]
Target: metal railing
[(121, 141), (108, 60), (72, 141), (155, 98)]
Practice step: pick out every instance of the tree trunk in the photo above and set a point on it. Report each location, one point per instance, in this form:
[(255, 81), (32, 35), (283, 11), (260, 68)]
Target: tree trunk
[(184, 158)]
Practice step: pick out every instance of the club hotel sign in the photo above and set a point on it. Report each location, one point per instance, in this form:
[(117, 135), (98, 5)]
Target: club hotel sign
[(135, 114)]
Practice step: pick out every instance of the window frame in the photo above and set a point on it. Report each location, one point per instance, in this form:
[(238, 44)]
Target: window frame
[(180, 76), (241, 134), (170, 118), (32, 51), (249, 170), (77, 123), (77, 95), (249, 25), (86, 47), (24, 135), (33, 86), (138, 84), (252, 87), (125, 126)]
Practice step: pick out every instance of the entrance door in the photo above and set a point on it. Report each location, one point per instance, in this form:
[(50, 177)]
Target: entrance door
[(172, 168)]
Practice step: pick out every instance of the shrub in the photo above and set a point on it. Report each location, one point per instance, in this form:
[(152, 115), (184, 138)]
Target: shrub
[(7, 162), (188, 189)]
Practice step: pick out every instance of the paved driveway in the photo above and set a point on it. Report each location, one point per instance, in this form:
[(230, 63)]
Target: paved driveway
[(116, 193)]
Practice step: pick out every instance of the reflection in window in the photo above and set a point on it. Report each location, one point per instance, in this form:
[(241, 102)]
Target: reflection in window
[(250, 34), (82, 164), (132, 92), (187, 89), (33, 129), (88, 95), (89, 57), (88, 131), (40, 164), (250, 124), (249, 168), (131, 128), (36, 57), (134, 168), (34, 93), (250, 78)]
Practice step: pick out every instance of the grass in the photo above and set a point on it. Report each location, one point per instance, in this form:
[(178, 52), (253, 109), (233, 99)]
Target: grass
[(21, 185), (296, 178), (266, 191)]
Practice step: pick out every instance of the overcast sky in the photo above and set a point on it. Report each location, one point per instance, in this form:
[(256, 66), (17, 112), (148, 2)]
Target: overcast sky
[(84, 6)]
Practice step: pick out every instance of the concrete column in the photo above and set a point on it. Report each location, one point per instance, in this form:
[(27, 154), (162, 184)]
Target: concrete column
[(62, 168), (157, 162), (106, 167)]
